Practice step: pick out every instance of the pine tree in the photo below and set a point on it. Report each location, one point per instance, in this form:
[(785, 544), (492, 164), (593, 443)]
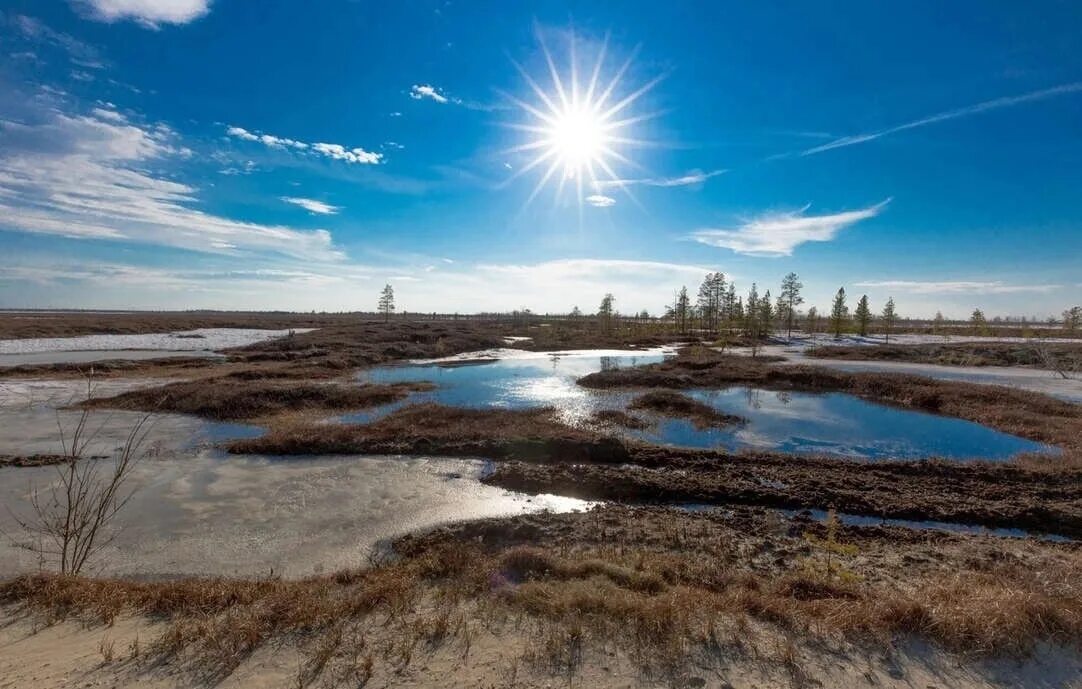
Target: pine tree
[(812, 320), (576, 312), (839, 313), (605, 313), (1072, 319), (386, 302), (766, 315), (978, 321), (863, 314), (790, 296), (889, 317), (731, 305), (751, 312), (682, 309)]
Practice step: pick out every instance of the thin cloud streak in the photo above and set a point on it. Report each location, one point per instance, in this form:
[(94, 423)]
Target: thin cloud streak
[(994, 104), (778, 234), (692, 178), (312, 205), (956, 287)]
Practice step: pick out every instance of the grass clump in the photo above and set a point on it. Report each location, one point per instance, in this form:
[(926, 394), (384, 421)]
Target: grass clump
[(670, 403)]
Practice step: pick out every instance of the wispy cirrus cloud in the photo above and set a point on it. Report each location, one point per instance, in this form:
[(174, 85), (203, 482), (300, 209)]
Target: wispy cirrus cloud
[(956, 286), (691, 178), (149, 13), (312, 205), (328, 150), (778, 234), (86, 176), (985, 106), (34, 30)]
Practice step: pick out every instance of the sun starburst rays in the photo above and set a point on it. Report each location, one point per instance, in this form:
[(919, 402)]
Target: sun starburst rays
[(574, 128)]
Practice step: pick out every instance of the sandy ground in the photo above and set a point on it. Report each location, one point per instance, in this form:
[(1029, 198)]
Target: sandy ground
[(68, 655)]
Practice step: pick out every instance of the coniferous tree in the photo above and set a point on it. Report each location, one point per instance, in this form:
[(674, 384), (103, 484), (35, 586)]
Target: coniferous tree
[(1072, 319), (730, 305), (978, 321), (889, 317), (751, 312), (766, 315), (791, 298), (605, 313), (576, 312), (839, 313), (812, 320), (386, 302), (863, 314), (682, 309)]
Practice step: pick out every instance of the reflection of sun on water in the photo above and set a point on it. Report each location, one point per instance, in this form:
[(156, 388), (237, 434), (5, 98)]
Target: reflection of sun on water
[(576, 129)]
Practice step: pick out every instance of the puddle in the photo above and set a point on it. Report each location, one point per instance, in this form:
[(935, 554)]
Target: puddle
[(205, 514), (809, 423), (927, 525)]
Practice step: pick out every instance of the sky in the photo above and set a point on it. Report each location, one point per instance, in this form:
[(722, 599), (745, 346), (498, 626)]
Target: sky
[(479, 156)]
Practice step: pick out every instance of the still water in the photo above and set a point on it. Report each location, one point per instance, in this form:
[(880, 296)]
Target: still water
[(832, 423)]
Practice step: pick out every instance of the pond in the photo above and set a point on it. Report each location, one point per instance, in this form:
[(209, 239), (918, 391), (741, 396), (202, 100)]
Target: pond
[(811, 423)]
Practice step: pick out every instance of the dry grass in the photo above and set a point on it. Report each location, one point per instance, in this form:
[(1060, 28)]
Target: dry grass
[(227, 399), (534, 434), (1065, 356), (663, 585), (39, 460), (669, 403)]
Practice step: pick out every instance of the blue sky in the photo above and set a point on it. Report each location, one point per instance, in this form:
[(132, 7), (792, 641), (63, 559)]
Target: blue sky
[(229, 154)]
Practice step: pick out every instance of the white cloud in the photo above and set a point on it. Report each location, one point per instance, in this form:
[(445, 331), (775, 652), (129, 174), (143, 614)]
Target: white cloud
[(600, 201), (334, 151), (778, 234), (955, 287), (419, 91), (312, 205), (149, 13), (241, 133), (994, 104), (86, 176), (355, 155), (691, 178)]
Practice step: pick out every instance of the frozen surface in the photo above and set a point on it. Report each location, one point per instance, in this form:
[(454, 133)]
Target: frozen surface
[(143, 346), (1022, 378), (246, 515), (198, 511)]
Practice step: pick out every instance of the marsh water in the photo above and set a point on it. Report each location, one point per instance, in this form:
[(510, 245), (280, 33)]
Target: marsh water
[(810, 423)]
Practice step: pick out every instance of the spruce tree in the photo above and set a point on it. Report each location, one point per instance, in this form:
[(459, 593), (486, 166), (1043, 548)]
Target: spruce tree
[(790, 297), (863, 314), (889, 317), (839, 313)]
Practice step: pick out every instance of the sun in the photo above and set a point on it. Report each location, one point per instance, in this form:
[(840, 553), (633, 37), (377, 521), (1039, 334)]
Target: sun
[(579, 138), (578, 130)]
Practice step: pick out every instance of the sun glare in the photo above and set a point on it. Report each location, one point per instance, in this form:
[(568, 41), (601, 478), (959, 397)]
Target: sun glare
[(577, 130)]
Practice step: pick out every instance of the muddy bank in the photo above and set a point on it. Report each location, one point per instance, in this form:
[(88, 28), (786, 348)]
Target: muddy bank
[(35, 460), (1060, 356), (674, 404), (231, 398), (531, 435), (1026, 414), (980, 495)]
